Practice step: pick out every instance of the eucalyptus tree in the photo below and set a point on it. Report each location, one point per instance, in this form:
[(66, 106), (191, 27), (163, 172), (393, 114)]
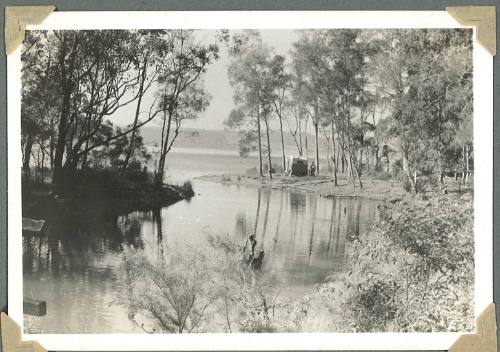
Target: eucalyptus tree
[(251, 77), (88, 79), (91, 75), (181, 95), (281, 81), (307, 51), (294, 123), (146, 48), (38, 97), (429, 80), (296, 116), (347, 62), (333, 69), (189, 103)]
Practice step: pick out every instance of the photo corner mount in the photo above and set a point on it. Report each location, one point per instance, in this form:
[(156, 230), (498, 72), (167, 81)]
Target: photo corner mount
[(485, 338), (16, 19), (12, 337), (481, 17)]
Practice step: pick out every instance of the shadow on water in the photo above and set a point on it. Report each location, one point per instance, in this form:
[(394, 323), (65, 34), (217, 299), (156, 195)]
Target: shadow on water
[(77, 262), (304, 236)]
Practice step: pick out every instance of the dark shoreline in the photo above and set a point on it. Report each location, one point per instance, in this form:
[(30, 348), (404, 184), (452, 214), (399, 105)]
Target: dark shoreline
[(100, 200)]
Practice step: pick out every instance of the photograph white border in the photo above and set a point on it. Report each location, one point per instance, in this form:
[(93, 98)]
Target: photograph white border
[(483, 179)]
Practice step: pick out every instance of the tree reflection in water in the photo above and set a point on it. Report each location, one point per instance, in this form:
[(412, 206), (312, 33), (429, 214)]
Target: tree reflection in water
[(78, 261)]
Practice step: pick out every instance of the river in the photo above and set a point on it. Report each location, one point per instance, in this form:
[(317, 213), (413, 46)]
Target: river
[(76, 265)]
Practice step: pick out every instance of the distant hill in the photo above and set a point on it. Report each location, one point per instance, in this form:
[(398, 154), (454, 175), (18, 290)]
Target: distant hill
[(224, 140)]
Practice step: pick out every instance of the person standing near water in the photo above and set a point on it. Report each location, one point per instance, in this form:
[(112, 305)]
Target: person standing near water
[(312, 169), (253, 242)]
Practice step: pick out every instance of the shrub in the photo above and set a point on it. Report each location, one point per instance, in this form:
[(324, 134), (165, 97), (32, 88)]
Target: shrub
[(378, 173), (413, 272), (187, 188), (278, 169), (397, 168), (374, 304), (243, 287), (438, 230), (173, 293)]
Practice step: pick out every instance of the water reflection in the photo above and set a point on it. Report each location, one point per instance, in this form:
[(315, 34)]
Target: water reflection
[(76, 265)]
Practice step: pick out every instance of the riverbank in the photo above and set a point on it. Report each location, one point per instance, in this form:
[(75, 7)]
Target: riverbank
[(323, 185), (98, 198)]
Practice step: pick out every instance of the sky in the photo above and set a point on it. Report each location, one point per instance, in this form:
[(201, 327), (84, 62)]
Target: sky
[(216, 82)]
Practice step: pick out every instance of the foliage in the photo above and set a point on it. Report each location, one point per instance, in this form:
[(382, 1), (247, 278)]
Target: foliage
[(187, 188), (413, 272), (174, 292), (242, 287), (429, 82), (181, 94), (371, 93), (246, 143), (75, 82), (377, 173), (259, 81)]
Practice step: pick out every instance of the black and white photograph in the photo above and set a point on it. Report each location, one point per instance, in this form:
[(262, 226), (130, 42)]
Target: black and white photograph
[(248, 180)]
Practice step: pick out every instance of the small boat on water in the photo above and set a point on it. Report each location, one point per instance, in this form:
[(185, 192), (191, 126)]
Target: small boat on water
[(31, 225)]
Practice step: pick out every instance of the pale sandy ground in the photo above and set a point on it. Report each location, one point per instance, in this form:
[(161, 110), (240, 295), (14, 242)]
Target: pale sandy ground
[(377, 189)]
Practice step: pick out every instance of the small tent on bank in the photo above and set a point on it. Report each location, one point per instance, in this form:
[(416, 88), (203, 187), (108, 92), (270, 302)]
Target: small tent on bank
[(297, 166)]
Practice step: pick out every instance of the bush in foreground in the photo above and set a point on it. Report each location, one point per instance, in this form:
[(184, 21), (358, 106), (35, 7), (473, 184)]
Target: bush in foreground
[(413, 272)]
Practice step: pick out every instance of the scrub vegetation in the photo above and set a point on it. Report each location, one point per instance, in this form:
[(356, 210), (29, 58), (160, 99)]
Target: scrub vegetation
[(413, 272)]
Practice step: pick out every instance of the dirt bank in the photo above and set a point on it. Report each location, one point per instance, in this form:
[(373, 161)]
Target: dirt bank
[(375, 189)]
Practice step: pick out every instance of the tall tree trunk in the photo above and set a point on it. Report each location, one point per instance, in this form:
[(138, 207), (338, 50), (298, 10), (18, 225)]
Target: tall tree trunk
[(52, 149), (66, 91), (357, 172), (130, 148), (328, 158), (316, 136), (307, 146), (27, 156), (407, 170), (85, 156), (42, 172), (261, 174), (464, 165), (467, 158), (360, 163), (338, 158), (334, 158), (351, 168), (270, 166), (61, 140), (301, 151), (388, 163), (282, 144), (161, 163), (341, 154), (347, 156)]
